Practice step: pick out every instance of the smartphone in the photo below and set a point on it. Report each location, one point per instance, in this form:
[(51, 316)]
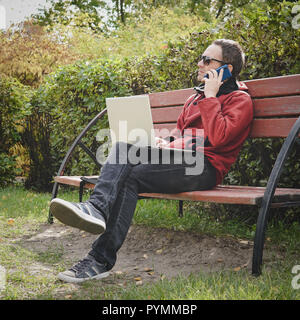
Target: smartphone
[(226, 74)]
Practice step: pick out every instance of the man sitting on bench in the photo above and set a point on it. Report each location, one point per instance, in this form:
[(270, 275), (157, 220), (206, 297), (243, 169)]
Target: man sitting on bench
[(222, 109)]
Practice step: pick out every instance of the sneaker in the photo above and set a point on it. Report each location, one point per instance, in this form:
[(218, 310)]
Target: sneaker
[(82, 215), (86, 269)]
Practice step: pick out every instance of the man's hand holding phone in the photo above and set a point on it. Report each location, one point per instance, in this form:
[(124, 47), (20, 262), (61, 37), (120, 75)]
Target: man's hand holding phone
[(213, 83), (214, 79)]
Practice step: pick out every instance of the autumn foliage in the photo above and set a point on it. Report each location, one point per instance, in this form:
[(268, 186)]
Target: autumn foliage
[(29, 53)]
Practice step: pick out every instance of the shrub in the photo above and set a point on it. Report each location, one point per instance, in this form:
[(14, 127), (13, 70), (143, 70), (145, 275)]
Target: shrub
[(14, 106), (146, 34), (61, 108), (7, 169), (29, 53), (266, 33)]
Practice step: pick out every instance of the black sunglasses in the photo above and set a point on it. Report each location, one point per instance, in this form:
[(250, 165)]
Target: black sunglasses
[(207, 60)]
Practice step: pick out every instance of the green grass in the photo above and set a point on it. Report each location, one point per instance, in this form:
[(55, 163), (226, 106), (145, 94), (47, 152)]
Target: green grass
[(226, 285), (23, 212)]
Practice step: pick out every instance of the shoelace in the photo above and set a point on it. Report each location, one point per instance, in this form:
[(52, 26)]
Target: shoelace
[(80, 205), (84, 207), (81, 265)]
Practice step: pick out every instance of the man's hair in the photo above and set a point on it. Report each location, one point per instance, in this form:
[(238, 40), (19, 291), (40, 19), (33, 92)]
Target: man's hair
[(232, 53)]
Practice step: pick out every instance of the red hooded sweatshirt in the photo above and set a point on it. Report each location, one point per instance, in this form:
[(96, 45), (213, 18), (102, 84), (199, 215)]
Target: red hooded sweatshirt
[(226, 123)]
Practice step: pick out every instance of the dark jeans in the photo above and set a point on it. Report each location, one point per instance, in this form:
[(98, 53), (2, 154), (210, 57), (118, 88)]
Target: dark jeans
[(117, 189)]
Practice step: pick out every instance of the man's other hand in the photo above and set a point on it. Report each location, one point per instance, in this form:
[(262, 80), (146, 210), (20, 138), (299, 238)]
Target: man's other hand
[(160, 143)]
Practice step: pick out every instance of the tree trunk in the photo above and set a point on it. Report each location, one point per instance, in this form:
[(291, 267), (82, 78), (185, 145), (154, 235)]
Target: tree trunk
[(220, 8), (122, 12)]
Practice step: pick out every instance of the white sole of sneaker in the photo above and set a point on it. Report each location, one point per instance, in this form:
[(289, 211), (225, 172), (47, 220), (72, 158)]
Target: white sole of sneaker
[(66, 278), (70, 215)]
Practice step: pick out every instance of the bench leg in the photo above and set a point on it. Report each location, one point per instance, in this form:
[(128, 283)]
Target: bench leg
[(54, 195), (180, 208), (81, 186), (259, 240), (50, 217), (268, 196)]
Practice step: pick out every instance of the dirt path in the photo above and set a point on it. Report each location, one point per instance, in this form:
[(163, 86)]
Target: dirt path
[(149, 253)]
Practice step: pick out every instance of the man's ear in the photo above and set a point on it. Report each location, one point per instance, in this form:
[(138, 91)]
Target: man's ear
[(230, 67)]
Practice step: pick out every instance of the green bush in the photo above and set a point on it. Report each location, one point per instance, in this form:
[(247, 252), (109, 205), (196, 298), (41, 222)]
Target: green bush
[(61, 108), (266, 33), (7, 169), (36, 138), (147, 33), (14, 106), (272, 49)]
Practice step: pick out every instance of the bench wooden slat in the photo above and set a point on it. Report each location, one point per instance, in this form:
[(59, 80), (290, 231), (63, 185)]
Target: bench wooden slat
[(230, 196), (221, 194), (279, 106), (261, 128), (266, 128), (269, 107), (73, 181), (258, 88), (165, 115), (161, 126), (170, 98), (274, 87)]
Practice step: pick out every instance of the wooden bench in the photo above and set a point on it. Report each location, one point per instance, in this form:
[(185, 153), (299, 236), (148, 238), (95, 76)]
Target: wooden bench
[(276, 114)]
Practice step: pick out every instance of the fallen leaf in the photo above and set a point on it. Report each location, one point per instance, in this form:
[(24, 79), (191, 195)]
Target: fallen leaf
[(159, 251), (68, 296), (151, 273), (11, 221), (220, 260), (244, 242), (119, 272), (139, 283), (138, 279), (148, 269), (145, 256), (162, 277), (237, 269)]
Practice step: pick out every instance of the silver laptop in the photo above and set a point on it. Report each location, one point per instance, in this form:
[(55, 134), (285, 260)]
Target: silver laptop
[(130, 120)]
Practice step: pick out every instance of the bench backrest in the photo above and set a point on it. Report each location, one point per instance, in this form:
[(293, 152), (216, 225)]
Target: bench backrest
[(276, 105)]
